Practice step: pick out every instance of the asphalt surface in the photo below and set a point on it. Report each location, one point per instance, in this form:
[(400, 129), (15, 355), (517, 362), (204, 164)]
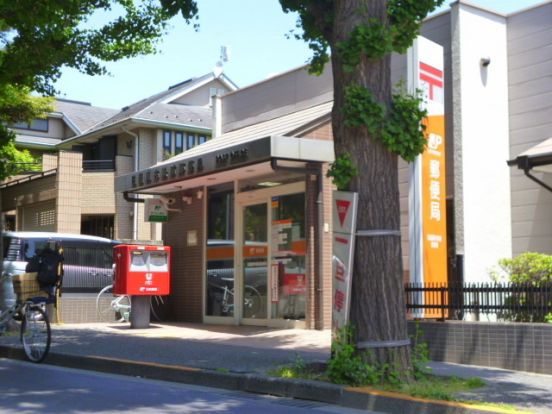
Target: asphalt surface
[(30, 389), (239, 357)]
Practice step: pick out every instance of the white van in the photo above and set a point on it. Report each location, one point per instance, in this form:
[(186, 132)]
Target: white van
[(88, 264)]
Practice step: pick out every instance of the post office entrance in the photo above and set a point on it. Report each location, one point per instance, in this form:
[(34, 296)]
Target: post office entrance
[(259, 277)]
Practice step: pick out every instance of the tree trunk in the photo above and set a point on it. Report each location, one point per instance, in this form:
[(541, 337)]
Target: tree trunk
[(377, 307)]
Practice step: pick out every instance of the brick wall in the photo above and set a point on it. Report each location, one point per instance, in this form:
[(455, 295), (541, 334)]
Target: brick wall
[(123, 209), (49, 161), (327, 250), (313, 254), (323, 304), (30, 192), (186, 299), (69, 192), (515, 346), (98, 193)]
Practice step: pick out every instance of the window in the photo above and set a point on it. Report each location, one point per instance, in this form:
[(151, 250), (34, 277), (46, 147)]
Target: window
[(167, 147), (191, 141), (178, 142), (98, 225), (201, 139), (35, 125)]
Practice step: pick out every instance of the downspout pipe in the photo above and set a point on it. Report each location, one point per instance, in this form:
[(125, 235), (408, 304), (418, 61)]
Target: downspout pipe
[(132, 199), (318, 320)]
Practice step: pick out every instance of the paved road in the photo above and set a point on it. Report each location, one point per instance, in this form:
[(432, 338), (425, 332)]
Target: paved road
[(30, 388)]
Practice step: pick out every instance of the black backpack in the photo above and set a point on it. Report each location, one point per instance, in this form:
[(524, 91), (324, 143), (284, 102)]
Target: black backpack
[(49, 268)]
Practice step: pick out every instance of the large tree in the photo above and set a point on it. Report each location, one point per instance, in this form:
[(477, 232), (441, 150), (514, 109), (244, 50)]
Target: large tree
[(40, 37), (372, 126)]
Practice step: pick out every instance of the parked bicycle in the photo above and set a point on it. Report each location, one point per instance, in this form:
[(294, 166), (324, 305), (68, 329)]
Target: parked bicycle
[(34, 290), (34, 333), (111, 307), (252, 299)]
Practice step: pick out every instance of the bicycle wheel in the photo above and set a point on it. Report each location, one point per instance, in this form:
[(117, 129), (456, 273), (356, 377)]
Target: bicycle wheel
[(35, 333), (121, 305), (104, 304), (158, 307), (252, 302)]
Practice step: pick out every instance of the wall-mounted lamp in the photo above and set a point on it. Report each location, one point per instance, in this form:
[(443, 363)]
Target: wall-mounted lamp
[(485, 61), (199, 194), (129, 144), (187, 199)]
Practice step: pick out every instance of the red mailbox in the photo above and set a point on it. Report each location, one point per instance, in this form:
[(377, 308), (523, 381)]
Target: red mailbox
[(142, 270)]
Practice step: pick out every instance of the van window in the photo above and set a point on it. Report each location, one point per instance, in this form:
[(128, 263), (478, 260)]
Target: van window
[(12, 249)]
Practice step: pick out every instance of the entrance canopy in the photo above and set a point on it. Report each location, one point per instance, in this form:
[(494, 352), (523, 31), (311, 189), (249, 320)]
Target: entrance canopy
[(536, 158), (217, 158)]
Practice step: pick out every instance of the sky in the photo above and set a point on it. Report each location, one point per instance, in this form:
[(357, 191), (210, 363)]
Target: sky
[(254, 32)]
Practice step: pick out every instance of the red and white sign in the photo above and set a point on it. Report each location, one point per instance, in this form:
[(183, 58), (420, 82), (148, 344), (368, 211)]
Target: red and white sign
[(344, 222)]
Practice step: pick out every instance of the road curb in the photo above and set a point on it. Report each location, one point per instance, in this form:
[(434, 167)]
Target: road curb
[(360, 398)]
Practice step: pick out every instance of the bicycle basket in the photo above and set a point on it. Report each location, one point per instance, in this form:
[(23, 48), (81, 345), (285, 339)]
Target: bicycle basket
[(26, 286)]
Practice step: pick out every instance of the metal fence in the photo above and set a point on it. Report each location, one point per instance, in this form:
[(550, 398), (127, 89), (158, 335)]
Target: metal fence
[(519, 302)]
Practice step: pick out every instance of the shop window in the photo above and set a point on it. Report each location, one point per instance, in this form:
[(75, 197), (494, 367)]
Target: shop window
[(201, 139)]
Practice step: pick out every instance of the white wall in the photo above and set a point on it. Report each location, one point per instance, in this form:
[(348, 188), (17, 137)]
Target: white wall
[(481, 108), (530, 95)]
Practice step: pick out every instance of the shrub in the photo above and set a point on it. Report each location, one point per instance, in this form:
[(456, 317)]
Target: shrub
[(528, 267)]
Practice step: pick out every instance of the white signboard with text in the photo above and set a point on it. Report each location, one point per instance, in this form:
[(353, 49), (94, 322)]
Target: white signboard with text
[(155, 211)]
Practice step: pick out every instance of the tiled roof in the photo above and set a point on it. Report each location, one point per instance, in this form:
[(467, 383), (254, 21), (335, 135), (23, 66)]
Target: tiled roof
[(82, 115), (142, 108), (197, 116), (32, 140), (284, 125)]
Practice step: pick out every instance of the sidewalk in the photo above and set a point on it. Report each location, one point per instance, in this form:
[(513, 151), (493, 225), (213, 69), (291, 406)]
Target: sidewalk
[(238, 357)]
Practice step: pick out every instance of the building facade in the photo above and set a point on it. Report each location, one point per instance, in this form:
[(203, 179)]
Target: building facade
[(250, 210), (83, 148), (233, 198)]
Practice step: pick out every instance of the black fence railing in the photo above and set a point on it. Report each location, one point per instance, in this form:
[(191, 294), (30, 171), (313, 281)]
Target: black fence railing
[(518, 302), (98, 165)]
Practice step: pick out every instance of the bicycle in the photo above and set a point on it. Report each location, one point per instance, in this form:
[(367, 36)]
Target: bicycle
[(35, 332), (112, 307), (252, 299)]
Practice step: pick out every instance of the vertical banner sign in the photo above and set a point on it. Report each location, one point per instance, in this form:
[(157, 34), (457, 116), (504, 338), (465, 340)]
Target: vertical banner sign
[(428, 220), (344, 229)]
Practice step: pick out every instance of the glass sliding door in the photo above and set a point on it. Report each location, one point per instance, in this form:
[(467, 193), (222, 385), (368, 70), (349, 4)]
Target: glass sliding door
[(219, 289), (255, 261), (288, 261)]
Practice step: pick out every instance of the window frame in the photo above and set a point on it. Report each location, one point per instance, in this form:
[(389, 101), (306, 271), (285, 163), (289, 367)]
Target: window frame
[(178, 142), (167, 138), (32, 126), (193, 137)]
